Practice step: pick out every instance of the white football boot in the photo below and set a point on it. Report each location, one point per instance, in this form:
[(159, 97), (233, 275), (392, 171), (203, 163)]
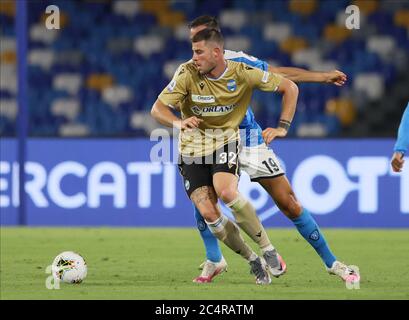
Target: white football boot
[(210, 270), (348, 274)]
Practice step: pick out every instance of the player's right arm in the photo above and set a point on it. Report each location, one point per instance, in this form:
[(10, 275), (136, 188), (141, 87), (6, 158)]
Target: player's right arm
[(172, 95), (164, 115)]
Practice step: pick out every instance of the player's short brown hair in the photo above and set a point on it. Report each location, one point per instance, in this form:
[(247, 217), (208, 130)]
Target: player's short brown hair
[(209, 35), (205, 20)]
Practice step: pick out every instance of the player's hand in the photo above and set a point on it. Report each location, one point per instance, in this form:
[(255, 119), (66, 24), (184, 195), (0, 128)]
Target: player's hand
[(397, 162), (190, 123), (269, 134), (336, 77)]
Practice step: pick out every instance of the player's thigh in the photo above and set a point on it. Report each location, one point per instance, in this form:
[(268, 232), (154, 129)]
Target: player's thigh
[(195, 174), (276, 187), (281, 192), (260, 162), (226, 186), (225, 172), (197, 180)]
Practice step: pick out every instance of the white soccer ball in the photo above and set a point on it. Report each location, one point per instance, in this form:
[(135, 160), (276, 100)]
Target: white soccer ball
[(69, 267)]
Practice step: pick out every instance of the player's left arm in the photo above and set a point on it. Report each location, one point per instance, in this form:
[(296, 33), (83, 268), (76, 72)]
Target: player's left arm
[(301, 75), (289, 90), (267, 81)]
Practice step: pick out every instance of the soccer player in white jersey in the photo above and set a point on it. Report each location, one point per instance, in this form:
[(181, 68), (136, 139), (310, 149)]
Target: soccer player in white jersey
[(260, 162)]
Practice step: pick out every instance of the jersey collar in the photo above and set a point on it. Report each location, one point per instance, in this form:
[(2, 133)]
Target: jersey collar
[(222, 75)]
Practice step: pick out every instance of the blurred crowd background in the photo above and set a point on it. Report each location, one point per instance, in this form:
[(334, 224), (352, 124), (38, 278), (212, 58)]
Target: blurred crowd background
[(99, 74)]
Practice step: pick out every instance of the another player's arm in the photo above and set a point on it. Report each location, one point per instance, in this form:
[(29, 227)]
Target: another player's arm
[(294, 74), (402, 143), (164, 115), (301, 75), (289, 90)]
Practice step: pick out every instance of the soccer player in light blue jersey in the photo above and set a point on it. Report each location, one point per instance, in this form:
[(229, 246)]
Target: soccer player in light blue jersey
[(402, 143), (260, 162)]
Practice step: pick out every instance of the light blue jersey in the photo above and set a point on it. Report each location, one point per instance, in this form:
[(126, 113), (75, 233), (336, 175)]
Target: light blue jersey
[(402, 143), (250, 131)]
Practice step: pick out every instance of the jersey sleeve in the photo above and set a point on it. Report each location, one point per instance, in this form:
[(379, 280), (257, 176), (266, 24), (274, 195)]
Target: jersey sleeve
[(402, 143), (176, 91), (240, 56), (263, 80)]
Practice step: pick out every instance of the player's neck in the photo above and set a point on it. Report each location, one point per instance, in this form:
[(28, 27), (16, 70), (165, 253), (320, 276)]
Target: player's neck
[(218, 71)]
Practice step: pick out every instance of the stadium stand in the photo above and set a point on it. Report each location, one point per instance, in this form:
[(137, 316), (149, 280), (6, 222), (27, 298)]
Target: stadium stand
[(101, 72)]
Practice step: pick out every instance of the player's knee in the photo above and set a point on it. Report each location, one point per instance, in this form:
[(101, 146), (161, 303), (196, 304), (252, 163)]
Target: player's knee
[(227, 195), (210, 214), (290, 206)]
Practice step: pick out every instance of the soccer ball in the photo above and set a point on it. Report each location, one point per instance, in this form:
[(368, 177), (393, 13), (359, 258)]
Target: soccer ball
[(69, 267)]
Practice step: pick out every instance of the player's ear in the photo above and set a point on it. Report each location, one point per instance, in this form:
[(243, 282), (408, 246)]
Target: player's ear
[(217, 51)]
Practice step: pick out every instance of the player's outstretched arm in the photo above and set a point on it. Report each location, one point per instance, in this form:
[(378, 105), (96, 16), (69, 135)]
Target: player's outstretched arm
[(289, 103), (164, 115), (301, 75)]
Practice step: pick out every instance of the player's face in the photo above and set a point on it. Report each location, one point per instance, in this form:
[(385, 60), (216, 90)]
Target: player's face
[(204, 56)]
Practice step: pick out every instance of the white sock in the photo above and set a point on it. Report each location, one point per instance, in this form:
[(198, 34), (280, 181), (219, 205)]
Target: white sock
[(253, 257)]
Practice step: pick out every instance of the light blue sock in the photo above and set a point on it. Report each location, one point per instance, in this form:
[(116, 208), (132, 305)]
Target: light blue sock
[(213, 252), (309, 229)]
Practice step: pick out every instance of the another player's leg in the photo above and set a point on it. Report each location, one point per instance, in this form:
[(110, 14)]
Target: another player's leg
[(215, 263), (250, 159), (205, 200), (280, 190)]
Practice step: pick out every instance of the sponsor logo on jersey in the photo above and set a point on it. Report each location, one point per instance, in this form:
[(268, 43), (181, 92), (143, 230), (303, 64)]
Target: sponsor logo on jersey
[(196, 110), (231, 85), (212, 111), (203, 99), (171, 86)]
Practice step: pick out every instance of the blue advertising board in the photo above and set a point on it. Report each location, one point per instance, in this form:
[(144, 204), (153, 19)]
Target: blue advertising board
[(113, 182)]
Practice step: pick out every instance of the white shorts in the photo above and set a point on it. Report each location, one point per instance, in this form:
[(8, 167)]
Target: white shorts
[(259, 162)]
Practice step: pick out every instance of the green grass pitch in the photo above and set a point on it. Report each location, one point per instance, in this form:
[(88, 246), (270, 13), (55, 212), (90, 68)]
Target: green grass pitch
[(160, 263)]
